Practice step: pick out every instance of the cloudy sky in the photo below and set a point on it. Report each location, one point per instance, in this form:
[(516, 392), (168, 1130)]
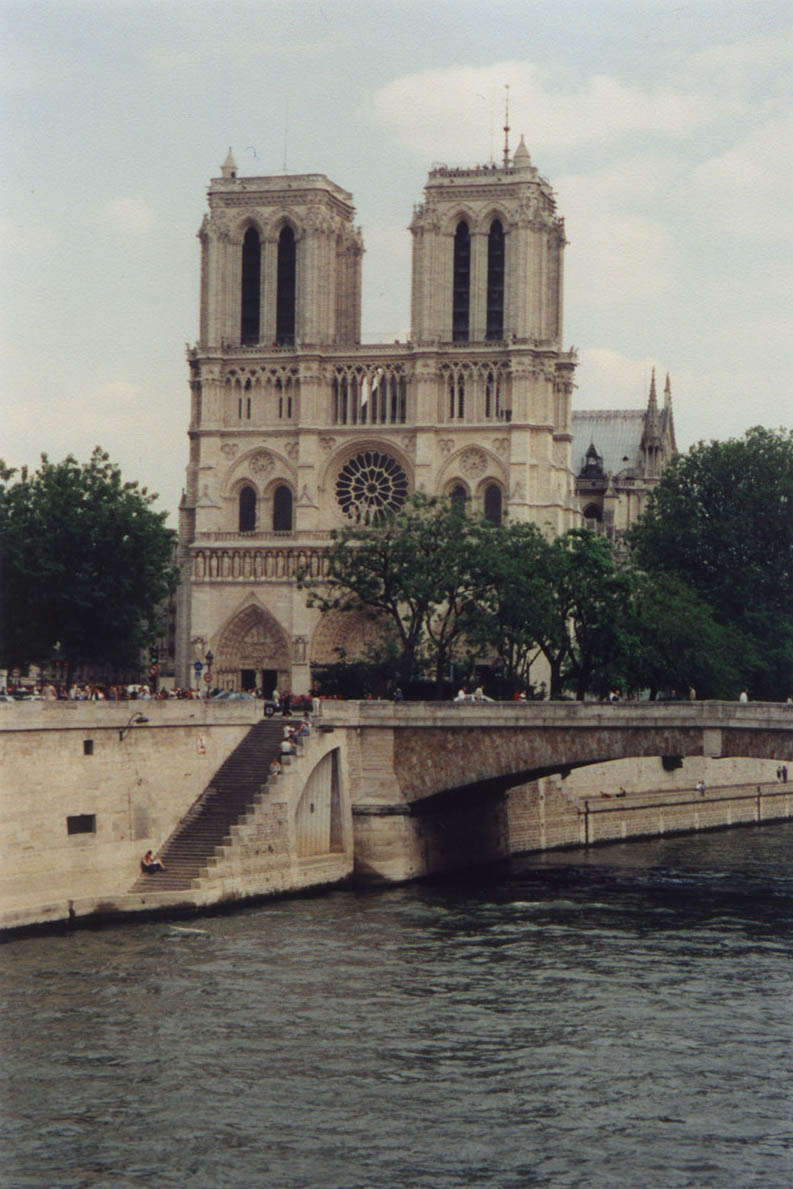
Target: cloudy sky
[(666, 130)]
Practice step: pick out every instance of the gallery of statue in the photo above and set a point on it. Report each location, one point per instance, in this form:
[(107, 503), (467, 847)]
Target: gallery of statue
[(297, 428)]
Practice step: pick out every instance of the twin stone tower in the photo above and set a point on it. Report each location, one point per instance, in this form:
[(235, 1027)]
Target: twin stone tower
[(297, 428)]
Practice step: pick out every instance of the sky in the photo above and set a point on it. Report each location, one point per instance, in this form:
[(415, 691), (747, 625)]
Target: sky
[(665, 130)]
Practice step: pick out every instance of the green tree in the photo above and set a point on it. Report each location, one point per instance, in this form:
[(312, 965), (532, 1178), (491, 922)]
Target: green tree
[(513, 596), (586, 631), (412, 571), (681, 644), (85, 563), (721, 519)]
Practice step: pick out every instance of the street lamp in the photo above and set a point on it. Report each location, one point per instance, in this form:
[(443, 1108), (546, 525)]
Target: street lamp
[(134, 720)]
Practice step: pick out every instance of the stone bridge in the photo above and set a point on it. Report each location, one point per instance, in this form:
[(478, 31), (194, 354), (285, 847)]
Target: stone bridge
[(411, 752), (427, 783)]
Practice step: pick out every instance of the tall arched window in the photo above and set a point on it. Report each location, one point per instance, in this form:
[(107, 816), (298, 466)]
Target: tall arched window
[(287, 289), (251, 286), (493, 504), (461, 293), (282, 510), (458, 496), (495, 281), (247, 519)]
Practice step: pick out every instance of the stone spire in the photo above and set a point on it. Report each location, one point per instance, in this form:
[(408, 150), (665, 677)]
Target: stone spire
[(229, 167), (521, 160), (667, 393), (652, 437)]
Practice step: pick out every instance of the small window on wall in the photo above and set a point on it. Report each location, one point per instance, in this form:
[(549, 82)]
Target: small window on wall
[(282, 510), (88, 747), (81, 823), (247, 519), (493, 503)]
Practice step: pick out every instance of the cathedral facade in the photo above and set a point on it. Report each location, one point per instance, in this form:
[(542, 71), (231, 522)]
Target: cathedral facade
[(297, 428)]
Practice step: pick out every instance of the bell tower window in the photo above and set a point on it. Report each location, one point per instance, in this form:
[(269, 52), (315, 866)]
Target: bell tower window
[(495, 281), (251, 286), (461, 292), (287, 289), (247, 519)]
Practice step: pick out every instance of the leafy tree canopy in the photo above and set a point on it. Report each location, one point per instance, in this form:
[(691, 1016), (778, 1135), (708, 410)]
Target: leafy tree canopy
[(721, 520), (411, 570), (86, 563)]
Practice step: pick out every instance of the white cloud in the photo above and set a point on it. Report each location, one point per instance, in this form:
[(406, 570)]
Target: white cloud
[(608, 379), (747, 191), (171, 60), (34, 239), (128, 214), (733, 65), (462, 106)]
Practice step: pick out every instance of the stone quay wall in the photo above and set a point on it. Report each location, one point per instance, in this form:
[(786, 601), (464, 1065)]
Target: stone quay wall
[(84, 792)]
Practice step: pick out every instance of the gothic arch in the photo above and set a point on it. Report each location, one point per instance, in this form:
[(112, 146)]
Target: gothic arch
[(473, 466), (346, 633), (251, 639), (258, 466)]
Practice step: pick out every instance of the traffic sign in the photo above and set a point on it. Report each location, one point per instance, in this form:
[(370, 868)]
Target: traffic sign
[(198, 666), (154, 670), (207, 676)]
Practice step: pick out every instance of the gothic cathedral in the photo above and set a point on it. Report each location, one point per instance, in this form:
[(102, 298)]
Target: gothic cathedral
[(296, 428)]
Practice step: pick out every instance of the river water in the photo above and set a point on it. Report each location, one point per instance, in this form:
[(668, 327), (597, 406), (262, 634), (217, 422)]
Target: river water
[(618, 1017)]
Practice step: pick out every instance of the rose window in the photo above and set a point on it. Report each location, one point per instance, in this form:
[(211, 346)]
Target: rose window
[(369, 485)]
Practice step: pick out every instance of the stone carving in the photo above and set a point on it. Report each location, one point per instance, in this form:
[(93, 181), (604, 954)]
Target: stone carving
[(229, 449), (409, 441), (292, 449), (446, 445), (501, 445), (327, 444), (299, 645), (473, 461), (262, 465)]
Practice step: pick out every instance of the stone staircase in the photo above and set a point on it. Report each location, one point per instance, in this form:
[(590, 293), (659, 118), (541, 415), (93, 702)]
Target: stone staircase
[(236, 787)]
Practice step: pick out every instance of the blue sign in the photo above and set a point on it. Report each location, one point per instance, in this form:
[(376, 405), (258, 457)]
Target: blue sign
[(198, 666)]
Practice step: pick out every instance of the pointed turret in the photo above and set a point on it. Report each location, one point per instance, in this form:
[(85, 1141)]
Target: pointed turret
[(229, 167), (652, 437), (521, 160), (667, 393)]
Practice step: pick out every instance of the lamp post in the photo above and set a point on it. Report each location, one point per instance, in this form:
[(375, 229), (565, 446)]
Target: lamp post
[(208, 675), (134, 720)]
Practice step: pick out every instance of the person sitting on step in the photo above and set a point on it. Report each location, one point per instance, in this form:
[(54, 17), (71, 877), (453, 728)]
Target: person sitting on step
[(149, 864)]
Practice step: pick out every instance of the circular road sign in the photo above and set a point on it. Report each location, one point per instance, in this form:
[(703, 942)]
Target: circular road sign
[(207, 676), (153, 670)]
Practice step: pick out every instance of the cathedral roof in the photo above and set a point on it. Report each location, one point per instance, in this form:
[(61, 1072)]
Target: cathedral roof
[(616, 434)]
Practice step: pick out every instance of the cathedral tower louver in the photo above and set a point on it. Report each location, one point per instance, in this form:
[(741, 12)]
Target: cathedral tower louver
[(296, 428)]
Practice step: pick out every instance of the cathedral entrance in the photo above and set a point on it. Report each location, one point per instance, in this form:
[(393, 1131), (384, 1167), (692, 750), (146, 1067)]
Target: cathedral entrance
[(252, 651), (265, 679)]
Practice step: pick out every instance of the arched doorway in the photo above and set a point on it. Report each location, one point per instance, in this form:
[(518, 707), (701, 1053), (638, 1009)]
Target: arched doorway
[(253, 652)]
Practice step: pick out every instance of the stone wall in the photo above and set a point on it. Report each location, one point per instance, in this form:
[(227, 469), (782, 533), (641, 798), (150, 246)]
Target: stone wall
[(66, 760)]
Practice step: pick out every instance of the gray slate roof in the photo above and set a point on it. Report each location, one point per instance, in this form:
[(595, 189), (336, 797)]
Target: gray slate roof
[(616, 434)]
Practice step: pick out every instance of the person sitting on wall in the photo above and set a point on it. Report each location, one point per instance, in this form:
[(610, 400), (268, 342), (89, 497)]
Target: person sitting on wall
[(149, 864), (275, 768)]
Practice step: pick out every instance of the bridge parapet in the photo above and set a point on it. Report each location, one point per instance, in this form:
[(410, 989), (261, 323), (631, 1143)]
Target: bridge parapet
[(411, 751)]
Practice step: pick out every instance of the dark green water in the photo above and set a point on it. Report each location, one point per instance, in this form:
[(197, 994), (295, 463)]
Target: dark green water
[(616, 1018)]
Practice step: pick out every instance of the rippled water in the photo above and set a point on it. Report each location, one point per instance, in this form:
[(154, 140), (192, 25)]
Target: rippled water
[(614, 1018)]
